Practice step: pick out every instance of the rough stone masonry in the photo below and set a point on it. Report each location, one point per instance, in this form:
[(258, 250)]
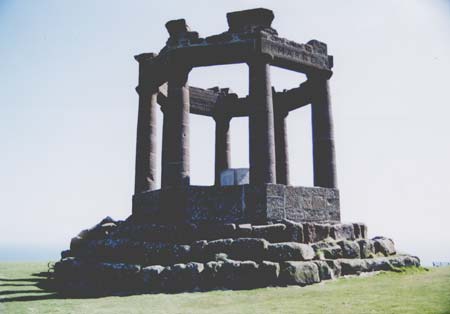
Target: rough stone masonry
[(265, 233)]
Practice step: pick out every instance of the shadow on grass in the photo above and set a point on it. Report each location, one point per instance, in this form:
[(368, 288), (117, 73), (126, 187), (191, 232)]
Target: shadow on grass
[(40, 288)]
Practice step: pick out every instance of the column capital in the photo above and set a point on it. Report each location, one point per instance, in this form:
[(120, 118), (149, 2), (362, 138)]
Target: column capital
[(143, 90), (281, 112), (265, 58), (143, 57), (318, 76), (221, 116), (178, 71)]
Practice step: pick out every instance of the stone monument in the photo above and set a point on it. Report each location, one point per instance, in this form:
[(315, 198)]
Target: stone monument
[(252, 230)]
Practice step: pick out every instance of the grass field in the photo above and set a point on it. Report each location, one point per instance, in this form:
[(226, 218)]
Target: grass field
[(413, 291)]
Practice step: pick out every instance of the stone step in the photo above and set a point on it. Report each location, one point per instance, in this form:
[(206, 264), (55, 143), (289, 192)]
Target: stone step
[(256, 249), (282, 231), (74, 276)]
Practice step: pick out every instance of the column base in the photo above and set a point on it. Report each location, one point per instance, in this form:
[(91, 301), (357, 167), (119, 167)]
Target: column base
[(238, 204)]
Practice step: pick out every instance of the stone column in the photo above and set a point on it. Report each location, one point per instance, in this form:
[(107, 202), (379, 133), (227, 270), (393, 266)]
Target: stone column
[(323, 133), (175, 151), (281, 147), (222, 145), (145, 167), (261, 122)]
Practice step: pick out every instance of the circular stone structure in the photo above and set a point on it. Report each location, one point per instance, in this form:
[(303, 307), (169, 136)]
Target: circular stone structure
[(262, 233)]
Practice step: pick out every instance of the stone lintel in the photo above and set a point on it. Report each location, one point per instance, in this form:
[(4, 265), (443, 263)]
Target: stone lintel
[(304, 58), (239, 204), (232, 48), (292, 99), (206, 102)]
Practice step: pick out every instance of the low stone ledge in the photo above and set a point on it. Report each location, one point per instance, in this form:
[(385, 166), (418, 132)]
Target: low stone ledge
[(88, 277), (289, 251), (299, 273), (404, 261), (256, 249), (249, 249), (181, 277), (272, 233), (185, 234)]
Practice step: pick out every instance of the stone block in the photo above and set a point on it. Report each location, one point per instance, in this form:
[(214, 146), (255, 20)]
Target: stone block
[(289, 251), (352, 266), (100, 230), (157, 253), (299, 273), (313, 232), (342, 232), (268, 273), (218, 246), (294, 231), (198, 251), (239, 274), (244, 231), (378, 264), (357, 230), (331, 252), (384, 246), (118, 277), (335, 266), (182, 277), (404, 261), (363, 228), (367, 249), (350, 249), (272, 233), (179, 253), (72, 268), (360, 230), (211, 277), (77, 243), (249, 249), (325, 271), (151, 279), (215, 231), (66, 253)]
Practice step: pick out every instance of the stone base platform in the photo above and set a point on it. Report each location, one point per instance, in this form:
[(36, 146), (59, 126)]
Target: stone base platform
[(239, 204), (129, 257)]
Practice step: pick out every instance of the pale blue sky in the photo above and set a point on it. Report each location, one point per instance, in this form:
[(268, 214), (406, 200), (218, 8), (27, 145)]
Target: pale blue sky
[(68, 110)]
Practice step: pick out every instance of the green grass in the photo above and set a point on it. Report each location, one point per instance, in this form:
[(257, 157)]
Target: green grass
[(412, 291)]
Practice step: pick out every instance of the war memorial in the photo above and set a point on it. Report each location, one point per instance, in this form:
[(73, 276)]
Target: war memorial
[(252, 228)]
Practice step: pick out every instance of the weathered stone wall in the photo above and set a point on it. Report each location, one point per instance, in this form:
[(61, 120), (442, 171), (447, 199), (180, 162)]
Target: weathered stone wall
[(245, 203), (125, 257)]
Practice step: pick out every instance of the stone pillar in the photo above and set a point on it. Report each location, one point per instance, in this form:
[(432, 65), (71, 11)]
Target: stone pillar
[(222, 145), (281, 147), (323, 133), (145, 167), (175, 150), (261, 123)]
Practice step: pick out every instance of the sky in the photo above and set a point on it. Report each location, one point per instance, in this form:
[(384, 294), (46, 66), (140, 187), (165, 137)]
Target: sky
[(68, 111)]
